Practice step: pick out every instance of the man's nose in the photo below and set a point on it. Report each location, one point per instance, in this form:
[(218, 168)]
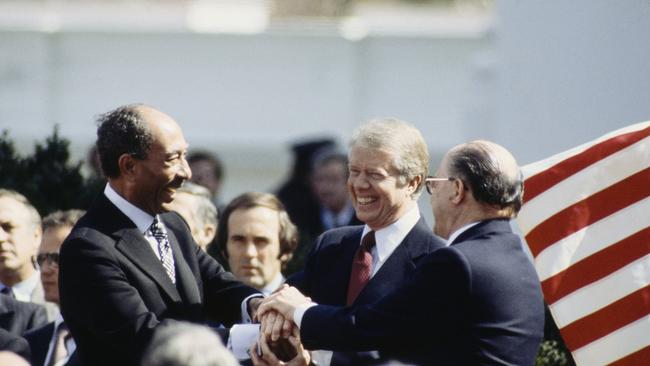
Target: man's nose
[(250, 250), (185, 171)]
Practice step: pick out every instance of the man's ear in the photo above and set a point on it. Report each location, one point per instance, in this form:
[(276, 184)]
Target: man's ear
[(459, 192), (127, 164), (413, 184)]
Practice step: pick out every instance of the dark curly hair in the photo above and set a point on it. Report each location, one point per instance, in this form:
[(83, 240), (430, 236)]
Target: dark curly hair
[(121, 131), (475, 165)]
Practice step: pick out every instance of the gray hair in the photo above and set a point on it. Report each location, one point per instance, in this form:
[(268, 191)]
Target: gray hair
[(401, 139), (186, 344), (34, 216), (205, 210), (491, 173), (62, 219)]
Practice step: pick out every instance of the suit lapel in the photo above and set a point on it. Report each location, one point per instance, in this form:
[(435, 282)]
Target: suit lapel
[(185, 281), (397, 266), (340, 279), (135, 247)]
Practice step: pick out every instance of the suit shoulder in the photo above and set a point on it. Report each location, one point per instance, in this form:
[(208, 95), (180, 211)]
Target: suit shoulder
[(336, 236)]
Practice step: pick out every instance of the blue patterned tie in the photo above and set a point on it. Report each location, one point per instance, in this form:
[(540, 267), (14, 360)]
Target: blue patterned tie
[(164, 249)]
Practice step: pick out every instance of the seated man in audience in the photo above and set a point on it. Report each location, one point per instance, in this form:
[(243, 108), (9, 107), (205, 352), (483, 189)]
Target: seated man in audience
[(20, 237), (193, 203), (45, 342), (257, 238), (477, 301), (357, 265)]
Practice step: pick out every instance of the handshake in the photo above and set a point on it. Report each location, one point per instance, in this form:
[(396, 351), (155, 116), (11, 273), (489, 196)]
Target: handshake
[(279, 341)]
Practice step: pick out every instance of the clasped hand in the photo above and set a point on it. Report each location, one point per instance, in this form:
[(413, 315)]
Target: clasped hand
[(279, 342)]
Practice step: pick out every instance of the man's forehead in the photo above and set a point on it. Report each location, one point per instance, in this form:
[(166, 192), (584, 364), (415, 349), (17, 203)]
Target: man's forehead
[(10, 208)]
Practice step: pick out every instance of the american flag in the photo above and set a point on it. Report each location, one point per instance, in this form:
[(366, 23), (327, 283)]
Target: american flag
[(586, 220)]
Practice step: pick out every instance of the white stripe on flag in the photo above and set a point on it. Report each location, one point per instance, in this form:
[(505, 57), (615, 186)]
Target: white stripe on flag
[(599, 294), (583, 184), (536, 167), (615, 345), (592, 239)]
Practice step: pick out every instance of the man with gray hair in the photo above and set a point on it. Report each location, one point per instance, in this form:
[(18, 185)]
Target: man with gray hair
[(193, 202), (186, 344), (357, 265), (20, 237), (476, 301)]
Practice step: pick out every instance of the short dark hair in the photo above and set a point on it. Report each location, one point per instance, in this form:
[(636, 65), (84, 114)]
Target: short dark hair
[(288, 232), (121, 131), (67, 218), (202, 155), (476, 166)]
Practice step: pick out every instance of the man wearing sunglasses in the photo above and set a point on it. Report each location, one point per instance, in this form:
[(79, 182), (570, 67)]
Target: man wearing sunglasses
[(52, 344)]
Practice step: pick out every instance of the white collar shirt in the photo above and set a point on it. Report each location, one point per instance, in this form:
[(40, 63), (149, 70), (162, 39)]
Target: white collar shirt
[(23, 291), (141, 219), (457, 233), (70, 345), (388, 239), (273, 285)]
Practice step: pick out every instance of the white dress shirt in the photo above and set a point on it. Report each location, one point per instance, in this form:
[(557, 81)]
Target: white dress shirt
[(386, 241), (23, 290), (70, 346)]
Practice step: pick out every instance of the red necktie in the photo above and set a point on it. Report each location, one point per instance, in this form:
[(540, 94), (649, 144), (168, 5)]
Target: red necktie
[(361, 267)]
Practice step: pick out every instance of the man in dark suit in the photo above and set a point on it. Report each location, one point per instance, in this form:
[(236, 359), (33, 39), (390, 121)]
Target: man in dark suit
[(52, 344), (128, 266), (477, 301), (388, 161), (15, 344), (17, 317)]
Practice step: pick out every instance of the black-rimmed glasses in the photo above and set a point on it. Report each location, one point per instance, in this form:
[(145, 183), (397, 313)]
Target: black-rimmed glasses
[(49, 257), (428, 182)]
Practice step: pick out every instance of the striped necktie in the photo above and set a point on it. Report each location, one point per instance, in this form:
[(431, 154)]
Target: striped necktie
[(164, 249)]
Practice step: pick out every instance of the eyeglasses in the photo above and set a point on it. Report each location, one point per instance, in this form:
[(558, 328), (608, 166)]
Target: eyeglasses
[(49, 257), (428, 182)]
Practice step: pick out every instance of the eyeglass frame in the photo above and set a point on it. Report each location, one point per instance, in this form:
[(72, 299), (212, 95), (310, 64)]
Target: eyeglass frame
[(49, 257), (436, 179)]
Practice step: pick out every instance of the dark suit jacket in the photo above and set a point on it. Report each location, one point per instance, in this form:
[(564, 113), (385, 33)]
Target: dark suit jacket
[(14, 343), (327, 273), (17, 317), (476, 302), (39, 343), (115, 292)]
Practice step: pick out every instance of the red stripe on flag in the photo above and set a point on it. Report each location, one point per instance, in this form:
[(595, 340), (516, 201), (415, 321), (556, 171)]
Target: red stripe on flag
[(637, 358), (584, 213), (597, 266), (606, 320), (546, 179)]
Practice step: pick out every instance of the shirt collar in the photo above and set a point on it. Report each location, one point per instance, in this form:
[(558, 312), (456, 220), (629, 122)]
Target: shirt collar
[(456, 233), (23, 290), (140, 218), (388, 238), (275, 283)]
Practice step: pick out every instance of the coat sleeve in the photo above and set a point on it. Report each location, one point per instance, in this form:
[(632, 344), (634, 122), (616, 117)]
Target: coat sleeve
[(419, 311)]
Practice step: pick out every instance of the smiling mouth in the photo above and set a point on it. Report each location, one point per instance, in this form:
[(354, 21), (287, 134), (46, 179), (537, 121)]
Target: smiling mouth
[(365, 200)]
